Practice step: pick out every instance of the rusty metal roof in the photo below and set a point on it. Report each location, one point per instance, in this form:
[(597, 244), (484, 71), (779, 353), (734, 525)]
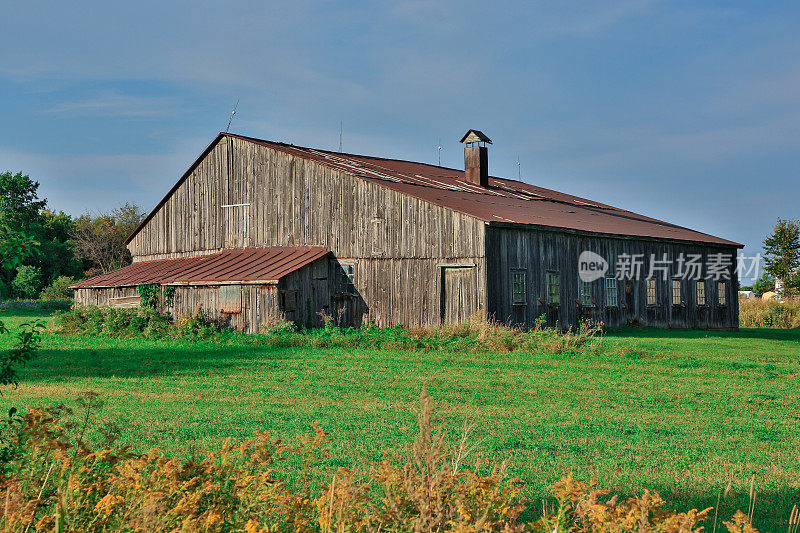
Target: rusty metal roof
[(240, 265), (505, 201)]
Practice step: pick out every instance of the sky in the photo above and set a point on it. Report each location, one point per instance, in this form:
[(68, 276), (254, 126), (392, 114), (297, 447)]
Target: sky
[(683, 111)]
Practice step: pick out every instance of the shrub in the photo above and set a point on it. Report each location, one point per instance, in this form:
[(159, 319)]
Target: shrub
[(764, 284), (28, 282), (58, 290), (197, 326), (757, 313), (112, 321), (133, 322), (277, 325), (56, 480), (149, 294)]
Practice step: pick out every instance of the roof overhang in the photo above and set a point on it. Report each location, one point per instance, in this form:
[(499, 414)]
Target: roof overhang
[(239, 266)]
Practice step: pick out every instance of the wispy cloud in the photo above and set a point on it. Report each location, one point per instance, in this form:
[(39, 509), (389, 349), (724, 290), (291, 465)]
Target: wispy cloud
[(117, 104)]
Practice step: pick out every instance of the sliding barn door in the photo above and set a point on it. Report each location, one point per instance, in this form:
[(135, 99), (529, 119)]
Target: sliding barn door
[(459, 294)]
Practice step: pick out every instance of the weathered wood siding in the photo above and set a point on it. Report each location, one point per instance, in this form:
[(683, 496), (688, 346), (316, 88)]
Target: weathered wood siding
[(397, 243), (87, 297), (537, 251)]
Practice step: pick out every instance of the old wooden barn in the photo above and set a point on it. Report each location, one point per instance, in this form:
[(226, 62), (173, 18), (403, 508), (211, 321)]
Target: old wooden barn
[(257, 229)]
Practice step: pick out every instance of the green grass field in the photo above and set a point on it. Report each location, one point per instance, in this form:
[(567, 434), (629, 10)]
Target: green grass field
[(697, 410)]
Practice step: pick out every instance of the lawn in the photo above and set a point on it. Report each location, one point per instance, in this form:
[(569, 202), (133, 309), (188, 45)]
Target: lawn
[(696, 410)]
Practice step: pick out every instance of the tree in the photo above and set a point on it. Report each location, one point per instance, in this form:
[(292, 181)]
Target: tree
[(22, 211), (59, 289), (19, 200), (28, 282), (15, 248), (782, 253), (765, 283), (101, 240)]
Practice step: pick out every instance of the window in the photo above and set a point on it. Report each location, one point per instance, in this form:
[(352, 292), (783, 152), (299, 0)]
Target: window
[(236, 216), (518, 296), (721, 292), (585, 293), (611, 292), (231, 299), (676, 292), (651, 292), (287, 301), (701, 292), (346, 278), (553, 288)]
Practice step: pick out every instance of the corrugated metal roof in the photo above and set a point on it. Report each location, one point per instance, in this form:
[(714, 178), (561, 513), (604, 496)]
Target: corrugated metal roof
[(504, 201), (241, 265)]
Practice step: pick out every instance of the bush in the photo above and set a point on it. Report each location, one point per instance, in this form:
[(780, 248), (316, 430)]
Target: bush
[(28, 282), (57, 481), (59, 289), (197, 326), (112, 321), (757, 313), (765, 283), (133, 322)]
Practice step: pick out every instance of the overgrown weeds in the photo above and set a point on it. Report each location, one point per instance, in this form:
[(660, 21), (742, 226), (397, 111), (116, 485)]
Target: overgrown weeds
[(758, 313), (136, 322), (56, 481), (473, 335)]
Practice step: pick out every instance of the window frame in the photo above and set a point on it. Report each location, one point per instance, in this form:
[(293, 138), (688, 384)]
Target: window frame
[(611, 289), (698, 293), (234, 210), (679, 293), (722, 295), (523, 293), (346, 277), (585, 293), (650, 283), (553, 298)]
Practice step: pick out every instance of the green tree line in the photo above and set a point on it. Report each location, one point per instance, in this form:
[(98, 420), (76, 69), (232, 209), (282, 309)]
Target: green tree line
[(42, 251)]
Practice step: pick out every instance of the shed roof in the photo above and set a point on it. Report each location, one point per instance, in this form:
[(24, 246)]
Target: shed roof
[(240, 265), (504, 201)]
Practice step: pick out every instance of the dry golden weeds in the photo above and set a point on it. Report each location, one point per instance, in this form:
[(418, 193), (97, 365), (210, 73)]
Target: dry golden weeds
[(55, 482)]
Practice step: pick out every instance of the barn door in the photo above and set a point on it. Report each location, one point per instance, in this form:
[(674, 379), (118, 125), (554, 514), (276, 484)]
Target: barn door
[(459, 294), (630, 302)]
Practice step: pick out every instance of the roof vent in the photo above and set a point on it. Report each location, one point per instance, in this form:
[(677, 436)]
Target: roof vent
[(476, 158)]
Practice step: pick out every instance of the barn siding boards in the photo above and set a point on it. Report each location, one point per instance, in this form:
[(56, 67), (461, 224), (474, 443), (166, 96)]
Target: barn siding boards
[(397, 242), (294, 201), (539, 251)]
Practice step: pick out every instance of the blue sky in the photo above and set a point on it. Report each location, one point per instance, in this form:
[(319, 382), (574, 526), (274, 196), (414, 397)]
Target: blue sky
[(685, 111)]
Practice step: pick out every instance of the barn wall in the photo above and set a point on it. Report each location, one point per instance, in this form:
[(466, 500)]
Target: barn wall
[(538, 251), (257, 303), (396, 242), (86, 297)]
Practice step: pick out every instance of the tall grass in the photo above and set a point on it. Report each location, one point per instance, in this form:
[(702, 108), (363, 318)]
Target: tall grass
[(56, 481), (758, 313), (475, 334)]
